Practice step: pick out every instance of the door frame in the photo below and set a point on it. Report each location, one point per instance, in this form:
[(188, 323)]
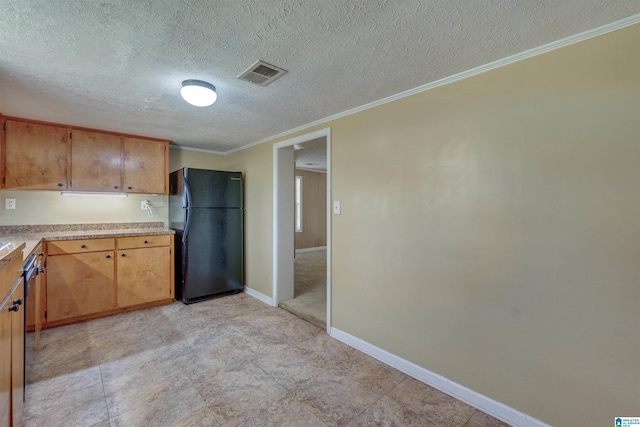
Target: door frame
[(283, 217)]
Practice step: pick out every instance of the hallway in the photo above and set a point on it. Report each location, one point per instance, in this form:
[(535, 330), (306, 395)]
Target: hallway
[(310, 289)]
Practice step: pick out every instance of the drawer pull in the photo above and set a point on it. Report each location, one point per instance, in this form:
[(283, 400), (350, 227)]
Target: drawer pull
[(59, 184), (146, 241), (129, 188), (115, 186), (108, 256), (123, 255), (83, 246)]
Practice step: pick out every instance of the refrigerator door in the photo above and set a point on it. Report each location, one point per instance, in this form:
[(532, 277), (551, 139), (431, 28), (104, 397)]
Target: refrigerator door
[(212, 189), (212, 253)]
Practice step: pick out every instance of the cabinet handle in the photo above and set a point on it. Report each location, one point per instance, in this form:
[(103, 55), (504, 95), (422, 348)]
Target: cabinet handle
[(41, 254), (108, 256), (41, 270), (18, 301), (129, 188), (60, 184), (123, 255), (14, 308), (83, 246), (115, 186)]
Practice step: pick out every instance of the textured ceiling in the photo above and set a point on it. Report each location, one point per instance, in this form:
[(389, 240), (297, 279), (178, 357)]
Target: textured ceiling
[(312, 155), (118, 64)]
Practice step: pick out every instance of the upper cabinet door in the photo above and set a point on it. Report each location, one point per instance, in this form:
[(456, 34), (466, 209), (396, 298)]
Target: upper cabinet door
[(96, 161), (145, 166), (36, 156)]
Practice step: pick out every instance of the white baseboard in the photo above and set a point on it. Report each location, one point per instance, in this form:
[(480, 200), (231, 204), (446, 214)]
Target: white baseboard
[(317, 248), (460, 392), (260, 296)]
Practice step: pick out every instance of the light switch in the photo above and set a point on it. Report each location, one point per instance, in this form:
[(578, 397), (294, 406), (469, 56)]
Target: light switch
[(336, 207), (9, 203)]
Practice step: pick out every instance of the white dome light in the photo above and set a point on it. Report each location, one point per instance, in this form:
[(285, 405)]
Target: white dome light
[(198, 93)]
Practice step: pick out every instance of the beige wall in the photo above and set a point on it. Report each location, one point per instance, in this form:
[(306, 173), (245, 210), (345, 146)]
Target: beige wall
[(49, 207), (256, 165), (314, 210), (489, 230), (179, 158)]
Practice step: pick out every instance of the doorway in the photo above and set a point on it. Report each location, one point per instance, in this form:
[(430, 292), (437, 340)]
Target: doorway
[(284, 227)]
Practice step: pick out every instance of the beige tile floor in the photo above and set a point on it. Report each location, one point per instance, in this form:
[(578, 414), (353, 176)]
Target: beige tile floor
[(230, 361)]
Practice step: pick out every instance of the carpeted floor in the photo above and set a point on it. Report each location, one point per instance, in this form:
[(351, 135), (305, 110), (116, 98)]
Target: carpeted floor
[(310, 291)]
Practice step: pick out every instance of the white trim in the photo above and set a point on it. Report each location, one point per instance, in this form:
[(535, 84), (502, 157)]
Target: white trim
[(310, 170), (200, 150), (317, 248), (576, 38), (259, 296), (326, 133), (329, 222), (494, 408)]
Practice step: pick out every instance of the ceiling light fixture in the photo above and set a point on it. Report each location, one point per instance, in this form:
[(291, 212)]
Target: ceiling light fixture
[(198, 93)]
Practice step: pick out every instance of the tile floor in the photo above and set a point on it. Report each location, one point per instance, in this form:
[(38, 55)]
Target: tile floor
[(232, 361)]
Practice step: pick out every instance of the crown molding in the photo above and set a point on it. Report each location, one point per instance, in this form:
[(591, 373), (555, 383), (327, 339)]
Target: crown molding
[(199, 150)]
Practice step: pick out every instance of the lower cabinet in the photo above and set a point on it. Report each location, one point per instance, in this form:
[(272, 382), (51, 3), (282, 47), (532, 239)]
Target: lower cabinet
[(79, 284), (17, 352), (141, 278), (12, 345), (91, 278)]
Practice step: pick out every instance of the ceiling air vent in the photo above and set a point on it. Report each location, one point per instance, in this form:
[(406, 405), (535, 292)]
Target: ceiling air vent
[(261, 73)]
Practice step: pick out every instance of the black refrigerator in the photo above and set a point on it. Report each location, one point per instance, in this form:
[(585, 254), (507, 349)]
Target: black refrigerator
[(206, 212)]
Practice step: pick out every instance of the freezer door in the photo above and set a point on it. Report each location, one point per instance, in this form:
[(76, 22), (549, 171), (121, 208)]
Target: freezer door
[(212, 253), (212, 189)]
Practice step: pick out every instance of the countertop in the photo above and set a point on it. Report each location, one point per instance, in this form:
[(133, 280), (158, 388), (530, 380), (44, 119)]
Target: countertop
[(7, 251), (34, 234)]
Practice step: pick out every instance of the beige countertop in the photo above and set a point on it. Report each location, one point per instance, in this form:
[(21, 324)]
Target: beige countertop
[(33, 235), (7, 251)]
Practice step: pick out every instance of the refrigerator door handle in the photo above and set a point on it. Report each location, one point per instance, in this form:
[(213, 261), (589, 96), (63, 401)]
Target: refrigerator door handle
[(187, 193), (186, 226), (186, 202)]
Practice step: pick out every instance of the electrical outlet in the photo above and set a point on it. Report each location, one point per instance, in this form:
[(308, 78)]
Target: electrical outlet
[(9, 203), (144, 204), (336, 207)]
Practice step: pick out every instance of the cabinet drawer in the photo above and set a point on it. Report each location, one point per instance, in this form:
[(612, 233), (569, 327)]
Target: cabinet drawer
[(79, 246), (144, 241)]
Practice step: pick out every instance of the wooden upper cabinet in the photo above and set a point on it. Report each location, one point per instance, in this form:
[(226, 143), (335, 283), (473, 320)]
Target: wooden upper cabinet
[(96, 161), (49, 156), (35, 156), (145, 168)]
